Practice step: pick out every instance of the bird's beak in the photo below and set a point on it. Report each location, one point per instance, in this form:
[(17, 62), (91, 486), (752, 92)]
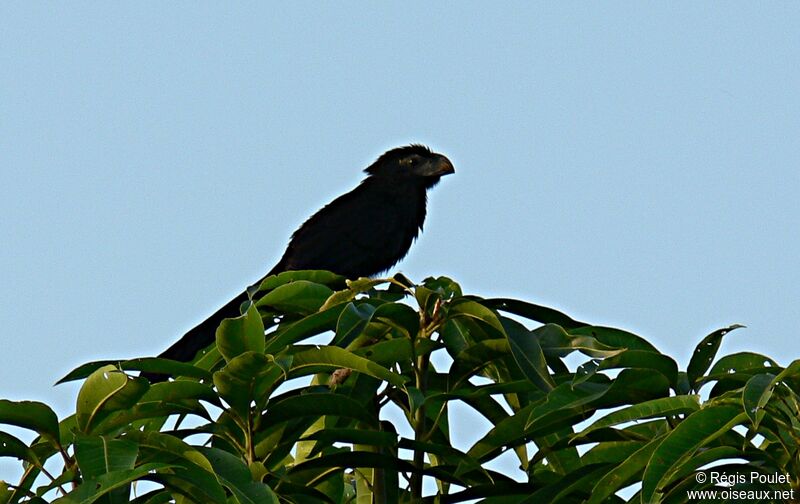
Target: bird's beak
[(442, 167)]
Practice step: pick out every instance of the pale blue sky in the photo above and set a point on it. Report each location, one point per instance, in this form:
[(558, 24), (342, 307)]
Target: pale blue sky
[(633, 163)]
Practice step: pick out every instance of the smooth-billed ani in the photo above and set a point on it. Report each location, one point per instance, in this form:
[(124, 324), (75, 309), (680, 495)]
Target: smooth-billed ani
[(359, 234)]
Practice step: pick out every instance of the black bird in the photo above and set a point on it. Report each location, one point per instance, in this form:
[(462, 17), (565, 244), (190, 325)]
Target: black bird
[(359, 234)]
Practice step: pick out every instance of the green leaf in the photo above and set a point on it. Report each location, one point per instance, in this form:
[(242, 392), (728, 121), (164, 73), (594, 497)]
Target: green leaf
[(106, 390), (622, 475), (356, 459), (756, 395), (615, 338), (236, 477), (98, 455), (388, 352), (612, 452), (688, 468), (555, 340), (300, 296), (742, 361), (398, 316), (477, 312), (563, 405), (306, 327), (238, 335), (697, 430), (475, 357), (667, 406), (460, 333), (364, 284), (446, 287), (633, 385), (352, 321), (791, 371), (704, 354), (315, 276), (317, 404), (179, 390), (585, 371), (528, 354), (577, 482), (639, 359), (247, 378), (92, 489), (328, 437), (335, 358), (148, 364), (31, 415), (191, 475), (426, 298), (337, 298), (10, 446), (532, 311)]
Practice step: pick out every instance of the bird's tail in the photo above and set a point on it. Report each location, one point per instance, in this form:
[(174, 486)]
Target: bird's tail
[(199, 337)]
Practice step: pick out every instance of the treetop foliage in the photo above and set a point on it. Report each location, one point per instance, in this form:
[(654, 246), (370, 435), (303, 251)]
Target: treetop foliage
[(303, 415)]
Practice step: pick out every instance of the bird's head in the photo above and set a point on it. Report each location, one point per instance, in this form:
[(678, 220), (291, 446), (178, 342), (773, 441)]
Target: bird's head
[(412, 163)]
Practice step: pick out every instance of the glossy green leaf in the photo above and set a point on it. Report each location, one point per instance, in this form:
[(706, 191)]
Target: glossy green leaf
[(399, 316), (614, 338), (98, 455), (695, 431), (643, 360), (246, 379), (149, 364), (10, 446), (741, 361), (236, 477), (585, 371), (179, 390), (689, 468), (555, 340), (317, 404), (791, 371), (704, 354), (479, 313), (364, 284), (31, 415), (191, 475), (93, 489), (475, 357), (667, 406), (388, 352), (528, 354), (337, 298), (755, 396), (335, 358), (352, 321), (354, 436), (532, 311), (300, 296), (445, 286), (238, 335), (562, 405), (623, 474), (106, 390), (315, 276), (304, 328)]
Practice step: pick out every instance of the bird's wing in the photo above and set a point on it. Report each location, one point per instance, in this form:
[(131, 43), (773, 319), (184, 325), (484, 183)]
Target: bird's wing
[(361, 233)]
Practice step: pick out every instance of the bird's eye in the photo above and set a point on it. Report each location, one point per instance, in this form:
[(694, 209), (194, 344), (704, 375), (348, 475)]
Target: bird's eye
[(411, 161)]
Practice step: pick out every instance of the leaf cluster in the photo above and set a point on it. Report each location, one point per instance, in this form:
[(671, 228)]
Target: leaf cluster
[(291, 405)]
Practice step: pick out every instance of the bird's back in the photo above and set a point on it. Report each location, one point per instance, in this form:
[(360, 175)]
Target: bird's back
[(361, 233)]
